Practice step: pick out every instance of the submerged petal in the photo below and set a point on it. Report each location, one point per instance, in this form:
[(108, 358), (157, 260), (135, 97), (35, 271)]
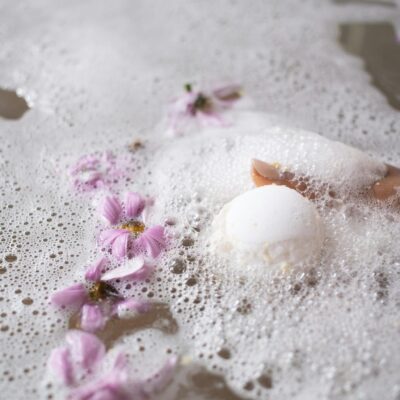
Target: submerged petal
[(73, 296), (131, 307), (60, 364), (93, 272), (111, 210), (161, 378), (152, 240), (92, 318), (125, 271), (114, 385), (120, 245), (134, 204), (86, 349)]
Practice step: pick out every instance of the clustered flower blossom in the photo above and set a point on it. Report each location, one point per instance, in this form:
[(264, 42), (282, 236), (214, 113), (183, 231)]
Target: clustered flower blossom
[(128, 234), (97, 304), (92, 172), (96, 301), (206, 108), (79, 363), (75, 364)]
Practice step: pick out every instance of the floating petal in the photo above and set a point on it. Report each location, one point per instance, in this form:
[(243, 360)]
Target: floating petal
[(111, 210), (86, 349), (125, 271), (60, 364), (92, 318), (73, 296), (94, 271), (152, 241), (134, 204)]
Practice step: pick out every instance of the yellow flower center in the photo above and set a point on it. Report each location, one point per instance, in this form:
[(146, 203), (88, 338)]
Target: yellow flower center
[(134, 227)]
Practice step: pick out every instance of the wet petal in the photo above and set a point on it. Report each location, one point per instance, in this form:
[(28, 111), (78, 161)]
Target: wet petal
[(108, 236), (111, 210), (144, 272), (85, 163), (92, 318), (60, 364), (86, 349), (162, 377), (73, 296), (134, 204), (152, 240), (94, 271), (112, 386), (120, 245), (125, 271), (131, 307)]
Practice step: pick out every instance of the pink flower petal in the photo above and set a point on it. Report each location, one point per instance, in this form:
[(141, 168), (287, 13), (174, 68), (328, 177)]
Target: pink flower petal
[(114, 385), (134, 204), (152, 240), (94, 271), (120, 245), (144, 272), (60, 364), (84, 163), (92, 318), (86, 349), (149, 202), (130, 308), (108, 236), (125, 271), (73, 296), (161, 378), (112, 210)]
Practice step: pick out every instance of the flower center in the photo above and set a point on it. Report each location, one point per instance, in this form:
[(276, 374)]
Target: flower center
[(134, 227), (101, 290)]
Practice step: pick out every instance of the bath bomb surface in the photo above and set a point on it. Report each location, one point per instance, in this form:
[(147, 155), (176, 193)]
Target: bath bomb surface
[(273, 224)]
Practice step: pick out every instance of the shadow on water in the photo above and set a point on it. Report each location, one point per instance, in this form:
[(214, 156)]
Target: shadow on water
[(196, 383), (378, 46), (158, 317), (12, 106)]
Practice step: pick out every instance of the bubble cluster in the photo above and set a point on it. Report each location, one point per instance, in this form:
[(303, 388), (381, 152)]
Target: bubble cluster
[(94, 84)]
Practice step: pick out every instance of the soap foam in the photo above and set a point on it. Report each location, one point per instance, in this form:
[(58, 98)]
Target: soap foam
[(97, 77)]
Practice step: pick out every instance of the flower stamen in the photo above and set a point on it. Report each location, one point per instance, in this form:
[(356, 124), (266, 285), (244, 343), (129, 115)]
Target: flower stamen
[(134, 227)]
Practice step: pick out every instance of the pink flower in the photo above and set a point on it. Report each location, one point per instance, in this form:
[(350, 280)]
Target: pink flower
[(91, 172), (203, 107), (102, 302), (83, 351), (129, 235)]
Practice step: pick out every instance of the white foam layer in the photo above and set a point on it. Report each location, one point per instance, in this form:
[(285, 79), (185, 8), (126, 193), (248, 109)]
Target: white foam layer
[(100, 75)]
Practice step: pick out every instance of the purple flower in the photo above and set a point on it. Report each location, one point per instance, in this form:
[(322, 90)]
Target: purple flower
[(129, 235), (101, 301), (203, 107), (91, 172)]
